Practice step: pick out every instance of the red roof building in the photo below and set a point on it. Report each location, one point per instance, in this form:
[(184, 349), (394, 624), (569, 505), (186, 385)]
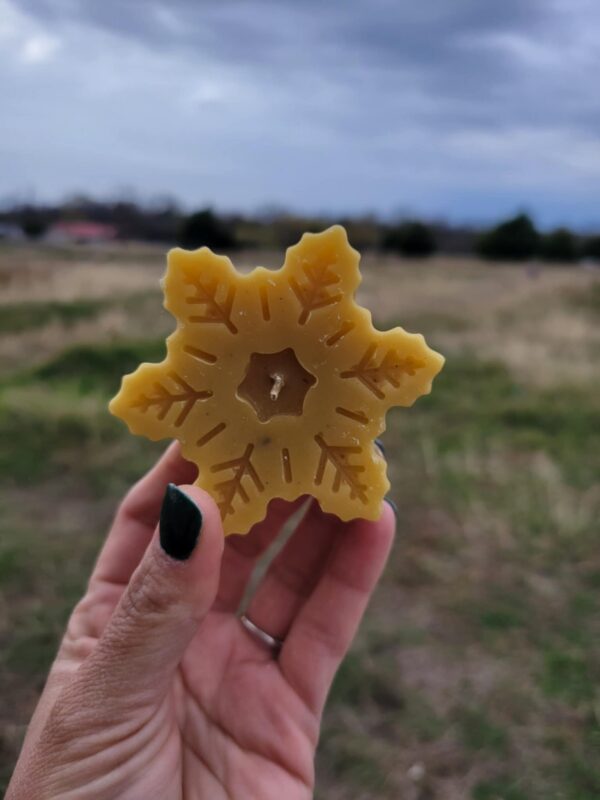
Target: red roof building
[(82, 232)]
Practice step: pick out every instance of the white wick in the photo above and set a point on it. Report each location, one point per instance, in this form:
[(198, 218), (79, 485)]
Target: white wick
[(278, 384)]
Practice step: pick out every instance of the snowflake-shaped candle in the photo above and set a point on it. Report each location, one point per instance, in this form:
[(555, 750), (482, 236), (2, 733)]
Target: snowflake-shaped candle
[(276, 383)]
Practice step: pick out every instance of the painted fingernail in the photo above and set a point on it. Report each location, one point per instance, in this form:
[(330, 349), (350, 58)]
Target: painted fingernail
[(180, 524), (392, 505), (380, 445)]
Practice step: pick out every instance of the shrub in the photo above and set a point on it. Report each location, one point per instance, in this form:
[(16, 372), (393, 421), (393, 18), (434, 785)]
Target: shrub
[(205, 229), (33, 226), (411, 238), (559, 245), (592, 248), (513, 240)]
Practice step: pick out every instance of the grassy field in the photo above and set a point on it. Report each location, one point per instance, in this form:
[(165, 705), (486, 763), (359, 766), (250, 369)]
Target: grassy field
[(477, 672)]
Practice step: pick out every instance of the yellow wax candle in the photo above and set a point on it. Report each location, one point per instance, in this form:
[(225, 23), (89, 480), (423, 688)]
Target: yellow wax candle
[(276, 383)]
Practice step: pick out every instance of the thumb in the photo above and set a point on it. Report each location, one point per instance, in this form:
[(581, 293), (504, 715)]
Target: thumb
[(168, 595)]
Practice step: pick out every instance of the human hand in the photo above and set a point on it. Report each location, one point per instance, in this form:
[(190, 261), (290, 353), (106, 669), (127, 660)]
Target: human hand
[(158, 691)]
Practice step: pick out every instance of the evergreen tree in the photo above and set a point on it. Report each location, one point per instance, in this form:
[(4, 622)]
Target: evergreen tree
[(205, 229), (514, 240), (411, 238)]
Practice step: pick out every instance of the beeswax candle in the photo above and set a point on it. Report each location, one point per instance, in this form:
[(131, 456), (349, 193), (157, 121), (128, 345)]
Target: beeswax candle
[(276, 383)]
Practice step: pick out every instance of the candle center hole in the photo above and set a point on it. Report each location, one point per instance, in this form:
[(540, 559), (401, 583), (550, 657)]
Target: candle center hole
[(275, 383)]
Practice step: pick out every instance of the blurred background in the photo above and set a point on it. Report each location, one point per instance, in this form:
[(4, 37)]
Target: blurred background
[(458, 143)]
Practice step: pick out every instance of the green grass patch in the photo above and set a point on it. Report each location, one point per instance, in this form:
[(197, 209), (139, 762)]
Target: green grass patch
[(420, 719), (577, 770), (16, 565), (45, 432), (582, 776), (567, 674), (381, 642), (35, 640), (592, 579), (485, 392), (350, 761), (43, 572), (87, 368), (19, 317), (98, 367), (377, 688), (497, 607), (54, 419), (478, 732), (499, 789), (477, 405), (481, 399), (584, 604), (361, 685), (40, 433), (501, 616)]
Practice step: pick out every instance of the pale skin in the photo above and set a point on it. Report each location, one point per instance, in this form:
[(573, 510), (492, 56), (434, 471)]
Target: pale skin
[(158, 692)]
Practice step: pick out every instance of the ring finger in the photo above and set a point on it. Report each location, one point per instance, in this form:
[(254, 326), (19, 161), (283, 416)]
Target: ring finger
[(294, 572)]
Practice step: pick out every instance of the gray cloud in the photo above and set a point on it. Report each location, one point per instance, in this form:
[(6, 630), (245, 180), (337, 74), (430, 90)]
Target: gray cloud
[(457, 107), (308, 35)]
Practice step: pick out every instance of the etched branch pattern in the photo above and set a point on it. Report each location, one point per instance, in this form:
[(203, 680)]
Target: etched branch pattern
[(233, 487), (215, 298), (225, 319), (164, 399), (344, 471), (313, 291), (389, 370)]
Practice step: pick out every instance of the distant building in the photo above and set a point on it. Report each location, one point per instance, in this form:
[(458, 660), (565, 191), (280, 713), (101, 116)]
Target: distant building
[(81, 233)]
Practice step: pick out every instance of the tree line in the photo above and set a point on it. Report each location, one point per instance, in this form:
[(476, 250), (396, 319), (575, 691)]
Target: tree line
[(514, 239)]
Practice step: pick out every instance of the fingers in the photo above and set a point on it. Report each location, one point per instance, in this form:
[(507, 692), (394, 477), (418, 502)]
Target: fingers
[(326, 624), (169, 593), (137, 517), (242, 553), (294, 572)]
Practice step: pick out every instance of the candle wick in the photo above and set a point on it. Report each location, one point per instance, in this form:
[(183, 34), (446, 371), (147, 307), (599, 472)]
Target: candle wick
[(278, 384)]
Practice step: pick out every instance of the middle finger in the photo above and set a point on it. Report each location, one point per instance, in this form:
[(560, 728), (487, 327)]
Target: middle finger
[(294, 572), (242, 553)]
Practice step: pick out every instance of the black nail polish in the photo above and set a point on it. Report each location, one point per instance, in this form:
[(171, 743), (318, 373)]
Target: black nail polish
[(180, 524), (392, 505), (381, 446)]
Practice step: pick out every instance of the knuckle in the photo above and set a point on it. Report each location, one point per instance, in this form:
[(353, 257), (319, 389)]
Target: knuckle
[(149, 594)]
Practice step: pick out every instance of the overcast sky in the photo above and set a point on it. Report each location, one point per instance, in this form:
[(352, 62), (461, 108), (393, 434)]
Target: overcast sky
[(467, 109)]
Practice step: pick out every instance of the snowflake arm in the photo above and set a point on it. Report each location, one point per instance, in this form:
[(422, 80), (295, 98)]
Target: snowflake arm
[(158, 401), (395, 367)]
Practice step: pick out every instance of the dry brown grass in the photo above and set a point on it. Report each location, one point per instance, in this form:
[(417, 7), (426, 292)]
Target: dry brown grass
[(501, 312)]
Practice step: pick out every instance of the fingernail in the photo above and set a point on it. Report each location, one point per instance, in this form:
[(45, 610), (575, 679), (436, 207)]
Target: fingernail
[(380, 445), (392, 505), (180, 523)]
